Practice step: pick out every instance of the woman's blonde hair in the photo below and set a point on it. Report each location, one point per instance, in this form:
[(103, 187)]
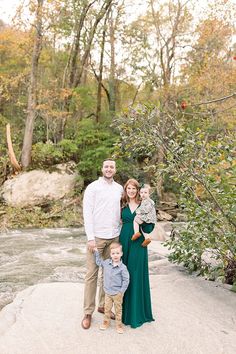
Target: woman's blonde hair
[(125, 198)]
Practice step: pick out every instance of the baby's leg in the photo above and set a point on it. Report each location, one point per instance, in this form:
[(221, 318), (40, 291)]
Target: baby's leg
[(136, 226), (136, 223), (147, 240)]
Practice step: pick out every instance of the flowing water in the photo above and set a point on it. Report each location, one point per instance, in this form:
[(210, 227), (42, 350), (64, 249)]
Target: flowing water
[(28, 257)]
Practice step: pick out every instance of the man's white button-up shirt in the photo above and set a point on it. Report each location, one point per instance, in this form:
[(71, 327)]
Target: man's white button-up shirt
[(101, 209)]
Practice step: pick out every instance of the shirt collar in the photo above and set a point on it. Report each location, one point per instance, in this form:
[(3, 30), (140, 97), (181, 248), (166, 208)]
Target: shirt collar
[(117, 265), (102, 179)]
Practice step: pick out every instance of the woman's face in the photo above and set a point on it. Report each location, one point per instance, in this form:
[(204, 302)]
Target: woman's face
[(131, 191)]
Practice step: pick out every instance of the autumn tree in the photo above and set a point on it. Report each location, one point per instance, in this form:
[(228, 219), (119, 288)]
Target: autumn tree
[(32, 93)]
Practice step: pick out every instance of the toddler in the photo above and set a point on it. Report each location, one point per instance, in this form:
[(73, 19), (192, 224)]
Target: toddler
[(146, 212), (115, 282)]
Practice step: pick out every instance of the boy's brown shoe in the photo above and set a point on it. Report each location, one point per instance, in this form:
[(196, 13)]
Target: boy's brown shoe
[(105, 325), (135, 236), (119, 329), (86, 321), (102, 310), (146, 242)]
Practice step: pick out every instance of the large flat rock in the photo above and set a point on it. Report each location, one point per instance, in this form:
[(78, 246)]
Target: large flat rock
[(193, 316)]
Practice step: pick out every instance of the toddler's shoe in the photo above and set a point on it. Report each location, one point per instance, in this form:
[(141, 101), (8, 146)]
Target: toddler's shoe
[(135, 236), (104, 325), (119, 329), (146, 242)]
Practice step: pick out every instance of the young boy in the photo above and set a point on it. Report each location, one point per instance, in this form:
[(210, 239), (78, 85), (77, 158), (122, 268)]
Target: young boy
[(115, 282), (146, 212)]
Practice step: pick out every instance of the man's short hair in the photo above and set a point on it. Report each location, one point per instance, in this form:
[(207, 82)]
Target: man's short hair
[(115, 245), (108, 159)]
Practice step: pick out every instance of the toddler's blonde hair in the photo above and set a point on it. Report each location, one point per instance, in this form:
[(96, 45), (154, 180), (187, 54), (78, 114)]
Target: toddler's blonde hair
[(146, 186), (115, 245)]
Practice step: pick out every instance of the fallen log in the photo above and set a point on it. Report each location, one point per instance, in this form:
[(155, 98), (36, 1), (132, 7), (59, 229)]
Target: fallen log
[(11, 153)]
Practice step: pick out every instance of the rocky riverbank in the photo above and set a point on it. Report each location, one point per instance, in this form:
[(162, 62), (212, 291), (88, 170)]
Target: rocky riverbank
[(192, 315)]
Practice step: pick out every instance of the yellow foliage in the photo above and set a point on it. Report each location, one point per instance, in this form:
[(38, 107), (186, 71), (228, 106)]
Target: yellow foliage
[(199, 191), (15, 47)]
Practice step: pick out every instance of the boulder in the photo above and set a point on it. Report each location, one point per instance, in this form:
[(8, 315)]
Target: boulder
[(158, 233), (36, 187), (162, 215)]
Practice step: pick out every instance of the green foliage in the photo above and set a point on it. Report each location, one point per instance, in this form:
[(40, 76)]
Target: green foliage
[(208, 193), (69, 149), (83, 97), (135, 145), (199, 159), (3, 149), (37, 217), (95, 143), (45, 155)]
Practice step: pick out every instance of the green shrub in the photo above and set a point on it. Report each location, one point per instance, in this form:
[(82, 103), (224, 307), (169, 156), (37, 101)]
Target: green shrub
[(95, 143), (198, 162), (48, 154)]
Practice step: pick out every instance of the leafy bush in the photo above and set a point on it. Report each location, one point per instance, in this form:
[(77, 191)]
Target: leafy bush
[(199, 159), (95, 143), (48, 154), (69, 149)]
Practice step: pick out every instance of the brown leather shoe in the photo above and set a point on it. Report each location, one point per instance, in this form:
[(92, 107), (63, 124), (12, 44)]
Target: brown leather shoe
[(104, 325), (86, 321), (119, 329), (135, 236), (101, 310), (146, 242)]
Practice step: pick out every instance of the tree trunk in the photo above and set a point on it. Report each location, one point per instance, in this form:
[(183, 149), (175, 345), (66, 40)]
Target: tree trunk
[(112, 87), (99, 92), (32, 92), (77, 77), (75, 54)]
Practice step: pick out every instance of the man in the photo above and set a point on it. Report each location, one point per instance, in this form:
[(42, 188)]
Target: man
[(101, 210)]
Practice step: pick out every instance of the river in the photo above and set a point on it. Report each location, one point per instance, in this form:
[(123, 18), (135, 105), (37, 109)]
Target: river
[(28, 257), (32, 256)]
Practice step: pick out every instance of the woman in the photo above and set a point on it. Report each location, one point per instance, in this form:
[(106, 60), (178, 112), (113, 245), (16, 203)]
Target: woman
[(137, 300)]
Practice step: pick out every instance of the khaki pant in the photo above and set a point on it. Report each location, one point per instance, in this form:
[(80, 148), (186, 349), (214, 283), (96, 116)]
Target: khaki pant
[(117, 300), (91, 277)]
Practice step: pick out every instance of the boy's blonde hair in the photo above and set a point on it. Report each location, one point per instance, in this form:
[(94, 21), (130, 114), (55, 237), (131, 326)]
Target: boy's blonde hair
[(115, 245)]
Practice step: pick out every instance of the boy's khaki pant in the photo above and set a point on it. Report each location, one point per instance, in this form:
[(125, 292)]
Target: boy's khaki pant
[(117, 299), (91, 277)]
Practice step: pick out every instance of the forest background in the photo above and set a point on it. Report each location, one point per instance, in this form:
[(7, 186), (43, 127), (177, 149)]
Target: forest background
[(151, 84)]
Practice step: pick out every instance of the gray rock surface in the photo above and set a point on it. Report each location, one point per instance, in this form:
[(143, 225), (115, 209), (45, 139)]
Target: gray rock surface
[(35, 187), (192, 316)]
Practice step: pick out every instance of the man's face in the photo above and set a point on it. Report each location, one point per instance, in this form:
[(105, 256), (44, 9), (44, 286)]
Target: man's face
[(108, 169)]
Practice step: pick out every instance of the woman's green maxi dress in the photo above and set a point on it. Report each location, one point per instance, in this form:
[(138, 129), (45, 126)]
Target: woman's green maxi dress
[(137, 307)]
